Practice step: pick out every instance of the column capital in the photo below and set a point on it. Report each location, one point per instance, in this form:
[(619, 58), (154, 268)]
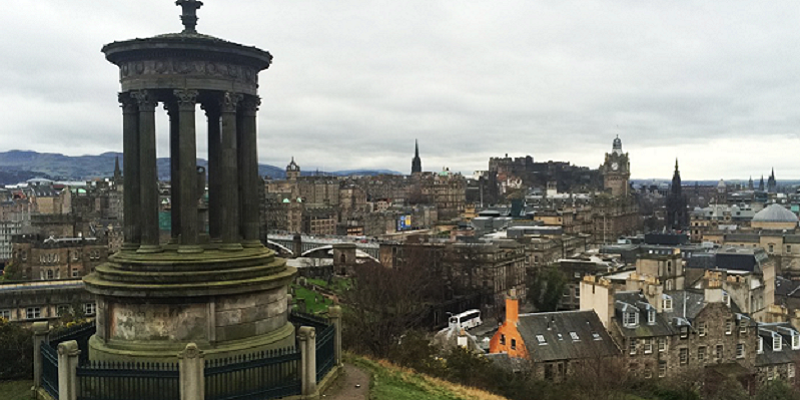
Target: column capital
[(69, 348), (128, 103), (250, 104), (306, 333), (187, 98), (145, 99), (230, 102)]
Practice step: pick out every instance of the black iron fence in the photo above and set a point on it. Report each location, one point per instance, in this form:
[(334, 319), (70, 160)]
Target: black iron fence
[(303, 319), (79, 333), (50, 369), (98, 380), (326, 357), (264, 375)]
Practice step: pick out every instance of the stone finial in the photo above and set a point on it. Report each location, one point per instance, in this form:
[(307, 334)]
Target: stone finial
[(306, 332), (191, 351), (41, 328), (335, 311), (69, 348), (189, 15)]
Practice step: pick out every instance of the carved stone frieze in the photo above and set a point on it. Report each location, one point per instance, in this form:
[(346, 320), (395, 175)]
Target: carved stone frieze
[(177, 66)]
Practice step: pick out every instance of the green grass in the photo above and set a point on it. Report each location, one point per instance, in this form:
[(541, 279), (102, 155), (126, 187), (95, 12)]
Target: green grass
[(15, 390), (393, 383), (315, 302)]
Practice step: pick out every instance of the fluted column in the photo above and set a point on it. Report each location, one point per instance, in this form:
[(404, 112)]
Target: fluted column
[(148, 177), (174, 169), (214, 169), (248, 172), (187, 100), (229, 196), (130, 165)]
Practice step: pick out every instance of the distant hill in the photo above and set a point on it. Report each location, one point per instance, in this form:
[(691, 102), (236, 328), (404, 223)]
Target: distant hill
[(20, 165)]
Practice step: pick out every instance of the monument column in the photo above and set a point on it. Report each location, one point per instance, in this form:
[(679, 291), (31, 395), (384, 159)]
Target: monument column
[(187, 100), (214, 150), (148, 174), (229, 193), (174, 169), (130, 165), (248, 167)]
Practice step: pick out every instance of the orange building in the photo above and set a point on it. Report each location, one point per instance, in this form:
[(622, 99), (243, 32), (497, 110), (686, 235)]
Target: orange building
[(507, 338)]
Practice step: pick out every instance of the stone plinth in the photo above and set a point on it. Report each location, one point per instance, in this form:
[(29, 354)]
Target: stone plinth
[(150, 306)]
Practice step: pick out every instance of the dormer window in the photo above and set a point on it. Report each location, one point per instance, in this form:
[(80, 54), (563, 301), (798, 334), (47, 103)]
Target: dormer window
[(631, 318), (540, 339), (760, 345), (726, 298), (596, 336), (795, 340), (776, 342), (651, 317), (667, 303), (574, 336)]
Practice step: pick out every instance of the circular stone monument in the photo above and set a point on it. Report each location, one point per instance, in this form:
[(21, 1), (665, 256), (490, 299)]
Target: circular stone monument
[(219, 288)]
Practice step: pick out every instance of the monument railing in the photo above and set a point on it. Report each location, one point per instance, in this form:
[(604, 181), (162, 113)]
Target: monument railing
[(65, 373), (264, 375), (98, 380), (49, 369)]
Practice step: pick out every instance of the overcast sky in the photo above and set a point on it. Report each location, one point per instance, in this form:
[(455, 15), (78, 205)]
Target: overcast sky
[(354, 82)]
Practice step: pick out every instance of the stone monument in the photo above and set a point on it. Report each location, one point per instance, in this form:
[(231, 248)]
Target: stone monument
[(221, 289)]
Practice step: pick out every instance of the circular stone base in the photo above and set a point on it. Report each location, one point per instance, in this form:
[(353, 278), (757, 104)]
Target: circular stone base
[(148, 351)]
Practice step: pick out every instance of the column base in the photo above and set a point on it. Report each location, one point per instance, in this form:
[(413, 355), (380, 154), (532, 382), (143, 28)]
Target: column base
[(149, 248), (251, 243), (231, 247), (189, 249), (129, 246)]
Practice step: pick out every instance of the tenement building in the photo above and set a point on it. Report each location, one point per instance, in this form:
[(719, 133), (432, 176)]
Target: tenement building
[(37, 258)]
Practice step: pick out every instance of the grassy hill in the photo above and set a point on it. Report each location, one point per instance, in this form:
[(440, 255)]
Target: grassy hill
[(390, 382)]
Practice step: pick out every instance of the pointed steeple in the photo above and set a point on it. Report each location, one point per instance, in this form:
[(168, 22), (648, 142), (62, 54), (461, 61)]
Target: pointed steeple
[(117, 172), (416, 162)]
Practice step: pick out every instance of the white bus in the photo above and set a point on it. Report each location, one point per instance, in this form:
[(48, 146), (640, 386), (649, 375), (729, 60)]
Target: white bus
[(467, 319)]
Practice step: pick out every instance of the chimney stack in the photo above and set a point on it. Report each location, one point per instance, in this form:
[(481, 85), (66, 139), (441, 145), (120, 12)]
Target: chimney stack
[(512, 307)]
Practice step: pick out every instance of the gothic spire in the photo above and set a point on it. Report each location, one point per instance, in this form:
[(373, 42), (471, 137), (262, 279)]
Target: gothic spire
[(416, 162)]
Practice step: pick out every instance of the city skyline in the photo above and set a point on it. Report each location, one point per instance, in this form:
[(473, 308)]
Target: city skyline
[(708, 84)]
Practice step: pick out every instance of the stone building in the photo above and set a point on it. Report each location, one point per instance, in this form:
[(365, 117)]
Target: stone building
[(778, 352), (554, 345), (29, 302), (38, 258)]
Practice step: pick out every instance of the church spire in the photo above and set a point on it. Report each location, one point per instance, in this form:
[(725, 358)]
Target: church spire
[(416, 162)]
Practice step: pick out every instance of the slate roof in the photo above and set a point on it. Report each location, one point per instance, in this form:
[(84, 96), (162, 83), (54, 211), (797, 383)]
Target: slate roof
[(695, 302), (661, 327), (769, 356), (556, 329)]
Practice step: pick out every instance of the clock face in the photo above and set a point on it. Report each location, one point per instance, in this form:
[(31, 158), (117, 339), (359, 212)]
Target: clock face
[(614, 166)]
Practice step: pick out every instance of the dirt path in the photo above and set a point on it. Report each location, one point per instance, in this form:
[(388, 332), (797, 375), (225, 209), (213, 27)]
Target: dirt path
[(352, 385)]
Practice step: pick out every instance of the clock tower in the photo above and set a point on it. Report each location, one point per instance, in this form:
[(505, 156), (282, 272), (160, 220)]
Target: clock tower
[(616, 171)]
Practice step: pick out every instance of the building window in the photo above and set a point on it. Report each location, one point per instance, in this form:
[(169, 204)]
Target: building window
[(743, 327), (648, 345), (502, 339), (651, 317), (33, 313), (684, 356), (5, 314), (771, 247), (684, 332), (513, 344), (50, 274), (788, 248), (648, 373), (770, 373), (795, 340), (760, 345), (62, 309), (631, 318), (701, 353), (662, 369), (662, 345), (574, 336), (701, 328), (718, 353), (577, 292), (740, 350), (540, 339), (790, 370), (75, 273), (728, 327), (776, 342), (667, 303), (632, 346), (89, 308)]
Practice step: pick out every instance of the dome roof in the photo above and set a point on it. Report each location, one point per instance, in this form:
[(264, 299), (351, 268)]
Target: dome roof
[(775, 213)]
